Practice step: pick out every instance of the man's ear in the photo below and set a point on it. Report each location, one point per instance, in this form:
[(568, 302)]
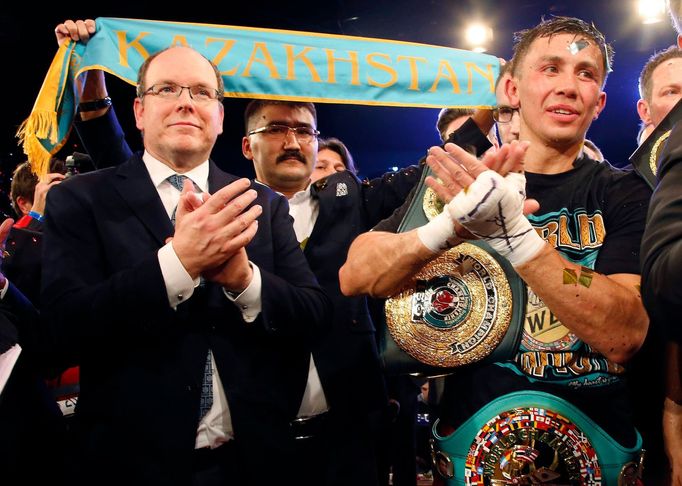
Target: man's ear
[(24, 205), (643, 111), (222, 118), (679, 41), (601, 104), (138, 109), (246, 148), (511, 89)]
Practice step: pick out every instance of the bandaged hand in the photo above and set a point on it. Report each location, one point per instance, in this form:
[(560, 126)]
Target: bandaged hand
[(491, 208), (439, 233)]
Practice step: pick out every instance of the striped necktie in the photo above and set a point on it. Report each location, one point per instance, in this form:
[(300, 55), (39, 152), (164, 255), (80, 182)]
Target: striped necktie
[(177, 182)]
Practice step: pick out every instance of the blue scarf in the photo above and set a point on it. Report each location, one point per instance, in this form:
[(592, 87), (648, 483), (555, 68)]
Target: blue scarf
[(266, 64)]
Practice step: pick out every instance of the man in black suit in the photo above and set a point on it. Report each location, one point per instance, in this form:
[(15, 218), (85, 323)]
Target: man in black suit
[(661, 257), (190, 340), (327, 216)]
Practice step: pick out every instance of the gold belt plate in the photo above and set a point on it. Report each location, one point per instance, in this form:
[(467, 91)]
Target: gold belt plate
[(455, 311)]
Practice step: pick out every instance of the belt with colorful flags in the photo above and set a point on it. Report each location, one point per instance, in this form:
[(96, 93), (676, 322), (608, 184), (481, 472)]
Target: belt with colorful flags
[(532, 437)]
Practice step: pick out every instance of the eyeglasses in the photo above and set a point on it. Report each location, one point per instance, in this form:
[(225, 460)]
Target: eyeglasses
[(504, 114), (280, 132), (170, 91)]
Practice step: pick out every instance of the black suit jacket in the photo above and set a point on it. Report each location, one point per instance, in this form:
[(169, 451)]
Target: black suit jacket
[(22, 265), (346, 357), (141, 362), (661, 254), (32, 431)]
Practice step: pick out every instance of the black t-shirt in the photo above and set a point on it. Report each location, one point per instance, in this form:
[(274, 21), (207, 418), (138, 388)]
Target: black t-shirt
[(593, 215)]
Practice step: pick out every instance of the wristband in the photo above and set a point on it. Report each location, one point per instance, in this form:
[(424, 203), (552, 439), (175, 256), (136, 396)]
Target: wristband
[(37, 216), (94, 105)]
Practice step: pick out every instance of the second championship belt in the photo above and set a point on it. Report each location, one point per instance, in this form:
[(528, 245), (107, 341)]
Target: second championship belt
[(466, 306)]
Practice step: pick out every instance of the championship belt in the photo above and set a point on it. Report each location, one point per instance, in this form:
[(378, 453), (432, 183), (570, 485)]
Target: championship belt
[(466, 306), (532, 437), (645, 159)]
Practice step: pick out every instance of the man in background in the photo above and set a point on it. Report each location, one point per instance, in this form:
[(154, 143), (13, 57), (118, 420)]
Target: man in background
[(661, 256), (332, 156), (660, 86)]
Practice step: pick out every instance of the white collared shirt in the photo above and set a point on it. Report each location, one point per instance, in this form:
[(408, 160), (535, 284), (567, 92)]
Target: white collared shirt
[(216, 426), (304, 208)]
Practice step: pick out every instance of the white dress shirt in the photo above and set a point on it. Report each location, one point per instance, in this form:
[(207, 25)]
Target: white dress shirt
[(215, 427), (304, 208)]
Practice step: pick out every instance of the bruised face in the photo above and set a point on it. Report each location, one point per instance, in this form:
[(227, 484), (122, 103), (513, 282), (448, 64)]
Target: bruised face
[(281, 161), (558, 90)]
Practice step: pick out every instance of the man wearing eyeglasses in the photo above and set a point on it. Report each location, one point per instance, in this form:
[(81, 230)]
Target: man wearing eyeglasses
[(345, 385), (475, 129), (506, 115), (182, 293)]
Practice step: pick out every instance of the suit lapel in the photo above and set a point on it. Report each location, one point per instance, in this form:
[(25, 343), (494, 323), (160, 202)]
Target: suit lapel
[(133, 183), (217, 179), (326, 197)]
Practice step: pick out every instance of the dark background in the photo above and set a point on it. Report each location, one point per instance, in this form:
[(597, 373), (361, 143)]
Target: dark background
[(378, 137)]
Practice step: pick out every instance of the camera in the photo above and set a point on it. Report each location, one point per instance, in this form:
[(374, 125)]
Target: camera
[(74, 163)]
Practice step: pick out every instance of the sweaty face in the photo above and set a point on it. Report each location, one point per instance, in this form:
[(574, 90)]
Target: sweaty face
[(666, 84), (328, 163), (558, 90), (179, 131), (281, 161)]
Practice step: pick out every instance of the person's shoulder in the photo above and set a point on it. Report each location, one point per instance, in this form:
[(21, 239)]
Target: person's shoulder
[(22, 234), (343, 177), (262, 189), (627, 179), (86, 181), (410, 171), (269, 199), (341, 183)]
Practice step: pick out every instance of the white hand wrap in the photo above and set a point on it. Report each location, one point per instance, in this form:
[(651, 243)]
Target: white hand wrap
[(492, 209), (439, 233)]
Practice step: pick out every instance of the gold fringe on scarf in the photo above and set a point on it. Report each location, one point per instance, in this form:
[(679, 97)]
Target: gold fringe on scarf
[(42, 122)]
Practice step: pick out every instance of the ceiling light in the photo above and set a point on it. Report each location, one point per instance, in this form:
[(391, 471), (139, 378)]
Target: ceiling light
[(651, 11), (478, 36)]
